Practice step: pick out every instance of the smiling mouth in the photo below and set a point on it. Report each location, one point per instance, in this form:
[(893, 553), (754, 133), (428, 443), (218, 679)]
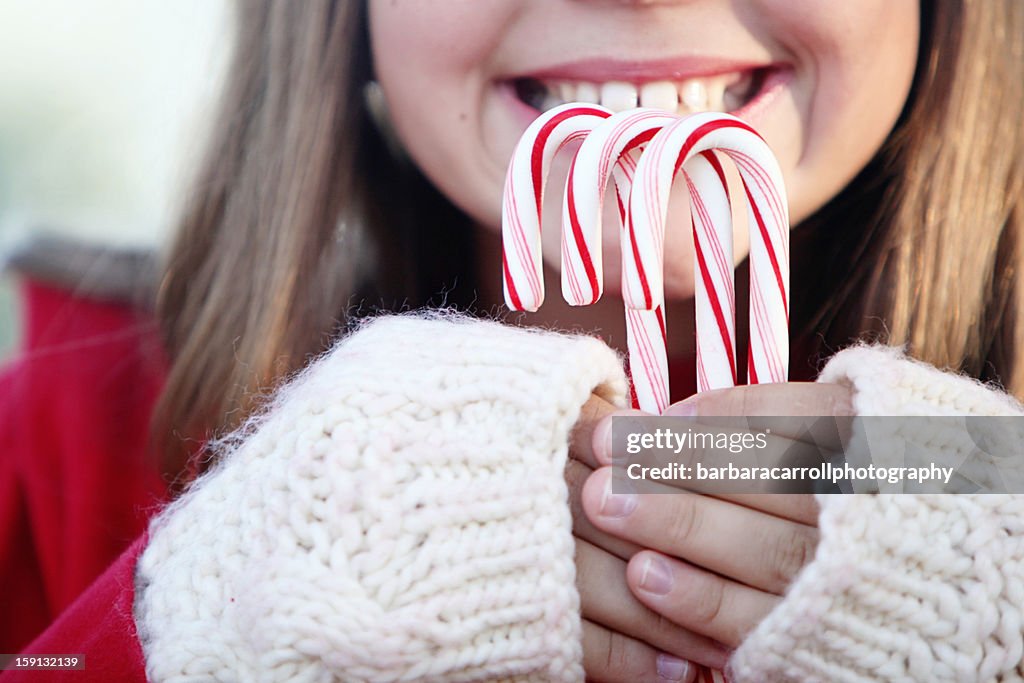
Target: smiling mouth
[(725, 92)]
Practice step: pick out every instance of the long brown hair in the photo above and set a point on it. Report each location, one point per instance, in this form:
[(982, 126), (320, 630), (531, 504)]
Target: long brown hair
[(925, 244), (292, 221), (293, 218)]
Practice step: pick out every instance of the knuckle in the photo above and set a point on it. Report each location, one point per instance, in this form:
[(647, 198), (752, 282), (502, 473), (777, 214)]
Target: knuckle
[(685, 519), (842, 404), (739, 400), (666, 635), (594, 409), (791, 555), (584, 569), (708, 602), (661, 623), (806, 509), (746, 401), (621, 660)]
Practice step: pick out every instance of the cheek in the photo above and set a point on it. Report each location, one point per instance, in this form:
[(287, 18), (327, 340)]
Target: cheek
[(851, 43), (419, 36), (433, 62), (856, 64), (422, 61)]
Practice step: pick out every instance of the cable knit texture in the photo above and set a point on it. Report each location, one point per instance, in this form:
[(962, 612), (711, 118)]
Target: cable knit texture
[(886, 382), (917, 588), (398, 514)]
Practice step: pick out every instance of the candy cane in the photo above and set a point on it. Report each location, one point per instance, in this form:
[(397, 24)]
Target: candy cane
[(612, 146), (522, 264), (646, 329), (687, 144), (610, 149)]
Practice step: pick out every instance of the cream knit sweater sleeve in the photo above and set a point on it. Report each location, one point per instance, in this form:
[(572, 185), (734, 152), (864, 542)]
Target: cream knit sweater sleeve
[(909, 588), (398, 514)]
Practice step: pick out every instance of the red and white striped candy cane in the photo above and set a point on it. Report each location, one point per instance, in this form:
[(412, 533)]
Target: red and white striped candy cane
[(611, 150), (522, 264), (683, 144)]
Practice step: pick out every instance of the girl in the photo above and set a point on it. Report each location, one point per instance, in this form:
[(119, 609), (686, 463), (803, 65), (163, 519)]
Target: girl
[(397, 509)]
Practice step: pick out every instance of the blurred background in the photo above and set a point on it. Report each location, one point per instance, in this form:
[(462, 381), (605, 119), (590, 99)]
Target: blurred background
[(103, 108)]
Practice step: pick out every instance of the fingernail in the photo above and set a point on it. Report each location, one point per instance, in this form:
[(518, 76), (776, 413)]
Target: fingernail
[(656, 577), (603, 441), (687, 408), (672, 668), (616, 504)]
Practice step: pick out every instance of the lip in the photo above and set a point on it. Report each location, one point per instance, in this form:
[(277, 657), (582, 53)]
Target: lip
[(679, 68), (775, 82)]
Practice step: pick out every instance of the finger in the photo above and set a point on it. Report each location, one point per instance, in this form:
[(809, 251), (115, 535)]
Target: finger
[(700, 446), (581, 441), (697, 599), (591, 438), (576, 474), (610, 657), (777, 400), (814, 433), (797, 507), (606, 599), (821, 412), (771, 400), (764, 496), (754, 548)]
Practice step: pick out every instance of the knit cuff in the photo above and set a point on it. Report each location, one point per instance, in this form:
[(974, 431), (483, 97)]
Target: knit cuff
[(902, 587), (398, 513), (886, 382), (910, 588)]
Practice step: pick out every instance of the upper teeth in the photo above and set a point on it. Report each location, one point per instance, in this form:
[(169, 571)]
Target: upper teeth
[(683, 97)]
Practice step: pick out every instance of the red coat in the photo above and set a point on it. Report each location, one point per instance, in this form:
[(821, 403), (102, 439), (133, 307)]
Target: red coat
[(77, 483)]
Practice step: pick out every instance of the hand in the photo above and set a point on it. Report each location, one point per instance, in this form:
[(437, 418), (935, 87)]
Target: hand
[(623, 640), (713, 565)]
